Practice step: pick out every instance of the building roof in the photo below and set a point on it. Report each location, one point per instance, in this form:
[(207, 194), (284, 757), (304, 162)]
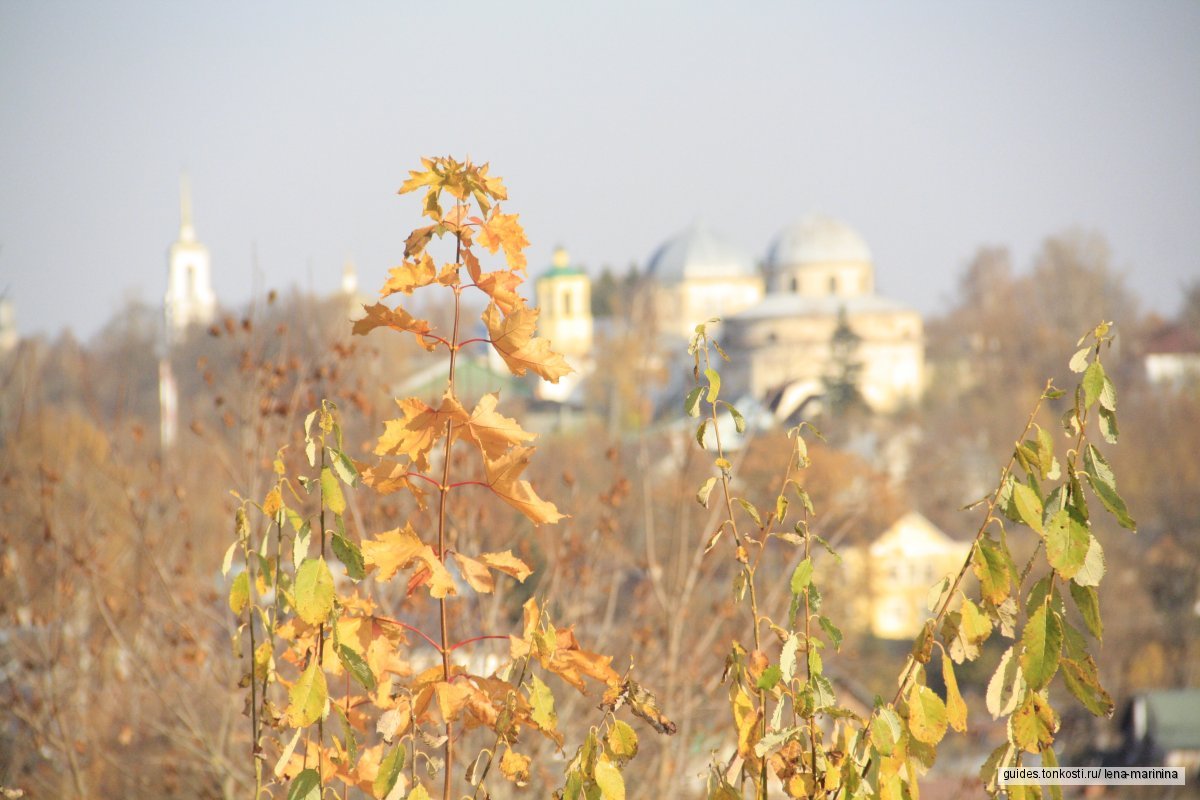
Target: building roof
[(1173, 718), (561, 265), (786, 305), (815, 240), (1173, 339), (698, 252)]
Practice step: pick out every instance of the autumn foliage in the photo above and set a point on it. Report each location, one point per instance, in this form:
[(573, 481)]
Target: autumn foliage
[(343, 695)]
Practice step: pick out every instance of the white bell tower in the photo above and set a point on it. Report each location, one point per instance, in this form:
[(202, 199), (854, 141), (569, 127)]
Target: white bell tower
[(189, 297)]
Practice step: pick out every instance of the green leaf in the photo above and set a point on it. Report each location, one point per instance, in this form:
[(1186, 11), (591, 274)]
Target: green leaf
[(1082, 681), (1108, 426), (991, 567), (1041, 646), (622, 741), (956, 708), (739, 422), (926, 715), (1067, 544), (714, 384), (331, 492), (1034, 723), (542, 701), (343, 466), (705, 491), (349, 553), (691, 403), (1029, 506), (1079, 361), (885, 730), (307, 697), (1104, 484), (1005, 687), (1049, 759), (357, 667), (389, 771), (802, 576), (751, 510), (832, 631), (700, 432), (769, 677), (418, 792), (1093, 567), (305, 786), (976, 626), (787, 657), (239, 593), (314, 591), (1108, 396), (1087, 600), (1093, 383), (608, 778)]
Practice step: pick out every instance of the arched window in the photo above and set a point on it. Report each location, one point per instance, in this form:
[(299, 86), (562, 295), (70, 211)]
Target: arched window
[(566, 304), (833, 284)]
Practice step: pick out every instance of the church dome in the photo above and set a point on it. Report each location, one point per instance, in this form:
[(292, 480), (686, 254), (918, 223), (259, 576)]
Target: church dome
[(817, 240), (698, 253)]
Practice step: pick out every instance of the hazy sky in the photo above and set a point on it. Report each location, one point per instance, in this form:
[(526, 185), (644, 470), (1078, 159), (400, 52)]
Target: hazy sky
[(931, 127)]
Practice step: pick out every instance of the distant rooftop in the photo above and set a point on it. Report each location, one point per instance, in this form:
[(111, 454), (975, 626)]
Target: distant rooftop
[(816, 240), (698, 252)]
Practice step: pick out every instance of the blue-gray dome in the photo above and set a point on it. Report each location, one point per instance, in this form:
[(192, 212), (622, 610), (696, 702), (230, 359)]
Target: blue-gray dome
[(817, 240), (698, 253)]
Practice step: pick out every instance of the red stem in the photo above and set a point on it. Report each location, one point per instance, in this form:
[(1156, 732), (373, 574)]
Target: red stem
[(408, 627), (465, 642)]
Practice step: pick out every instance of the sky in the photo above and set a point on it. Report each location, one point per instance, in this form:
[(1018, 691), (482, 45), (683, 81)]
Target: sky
[(933, 128)]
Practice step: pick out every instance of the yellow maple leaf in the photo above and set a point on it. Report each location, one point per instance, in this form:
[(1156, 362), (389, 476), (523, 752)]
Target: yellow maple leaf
[(502, 286), (392, 551), (507, 563), (505, 231), (419, 427), (409, 276), (504, 478), (490, 431), (389, 478), (475, 573), (398, 549), (512, 336), (379, 315), (451, 697)]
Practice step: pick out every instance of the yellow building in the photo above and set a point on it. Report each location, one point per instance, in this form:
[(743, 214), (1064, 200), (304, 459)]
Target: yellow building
[(696, 275), (889, 579), (818, 270), (564, 300)]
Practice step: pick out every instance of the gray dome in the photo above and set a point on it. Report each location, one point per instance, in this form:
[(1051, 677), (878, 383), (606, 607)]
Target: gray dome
[(698, 253), (816, 240)]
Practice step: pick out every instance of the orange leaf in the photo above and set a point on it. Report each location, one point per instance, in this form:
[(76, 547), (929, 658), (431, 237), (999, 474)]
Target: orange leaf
[(503, 230), (507, 563), (380, 315), (490, 431), (418, 239), (418, 429), (398, 549), (392, 551), (451, 697), (503, 478), (501, 286), (475, 573), (389, 478), (512, 336), (409, 276)]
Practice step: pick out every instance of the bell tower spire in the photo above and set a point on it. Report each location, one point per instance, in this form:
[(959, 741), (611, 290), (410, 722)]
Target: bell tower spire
[(189, 299), (187, 232)]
